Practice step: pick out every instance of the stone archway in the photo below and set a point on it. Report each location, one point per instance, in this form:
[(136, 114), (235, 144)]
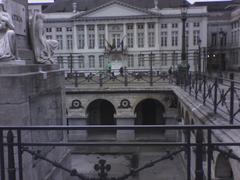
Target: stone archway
[(101, 112), (223, 169), (149, 112)]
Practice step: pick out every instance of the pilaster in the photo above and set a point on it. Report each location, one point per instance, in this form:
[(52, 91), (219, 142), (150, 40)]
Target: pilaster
[(85, 37)]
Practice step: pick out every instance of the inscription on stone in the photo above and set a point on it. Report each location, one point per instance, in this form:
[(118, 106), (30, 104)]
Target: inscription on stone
[(18, 14)]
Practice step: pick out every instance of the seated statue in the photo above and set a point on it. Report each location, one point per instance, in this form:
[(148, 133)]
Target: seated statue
[(43, 49), (7, 36)]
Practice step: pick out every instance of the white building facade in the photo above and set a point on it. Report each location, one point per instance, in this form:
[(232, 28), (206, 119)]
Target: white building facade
[(127, 36)]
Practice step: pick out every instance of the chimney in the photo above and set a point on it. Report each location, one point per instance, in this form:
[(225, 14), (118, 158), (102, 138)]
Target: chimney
[(74, 5)]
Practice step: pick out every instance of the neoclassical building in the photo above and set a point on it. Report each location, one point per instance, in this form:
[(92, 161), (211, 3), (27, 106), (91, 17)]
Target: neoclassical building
[(126, 34)]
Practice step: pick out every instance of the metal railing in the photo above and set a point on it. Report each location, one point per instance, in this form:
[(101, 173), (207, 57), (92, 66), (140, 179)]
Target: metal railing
[(200, 138), (220, 94)]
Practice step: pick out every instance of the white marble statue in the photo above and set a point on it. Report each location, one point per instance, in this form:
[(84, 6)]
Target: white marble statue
[(43, 48), (7, 36)]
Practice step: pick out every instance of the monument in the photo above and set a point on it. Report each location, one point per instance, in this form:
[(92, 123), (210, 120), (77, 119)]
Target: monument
[(30, 94)]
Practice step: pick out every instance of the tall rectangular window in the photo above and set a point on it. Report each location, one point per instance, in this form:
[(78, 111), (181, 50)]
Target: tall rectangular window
[(141, 60), (164, 59), (174, 38), (81, 63), (101, 61), (140, 39), (69, 42), (91, 37), (91, 61), (213, 39), (164, 38), (130, 40), (60, 41), (101, 36), (81, 37), (151, 39), (196, 34), (48, 36), (130, 61)]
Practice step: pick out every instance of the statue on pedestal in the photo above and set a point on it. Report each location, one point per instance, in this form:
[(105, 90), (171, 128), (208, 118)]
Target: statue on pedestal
[(7, 36), (43, 48)]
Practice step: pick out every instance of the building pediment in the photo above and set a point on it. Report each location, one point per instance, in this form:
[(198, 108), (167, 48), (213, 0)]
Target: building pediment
[(114, 9)]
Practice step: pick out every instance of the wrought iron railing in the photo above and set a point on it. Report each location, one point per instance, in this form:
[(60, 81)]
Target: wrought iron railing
[(203, 139)]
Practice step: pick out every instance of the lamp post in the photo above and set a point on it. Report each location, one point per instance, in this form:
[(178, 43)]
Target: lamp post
[(199, 56), (184, 18)]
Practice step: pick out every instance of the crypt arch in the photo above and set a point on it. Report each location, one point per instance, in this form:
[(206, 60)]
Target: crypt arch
[(223, 169)]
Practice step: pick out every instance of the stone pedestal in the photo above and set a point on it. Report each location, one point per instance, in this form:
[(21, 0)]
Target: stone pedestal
[(32, 95), (125, 135)]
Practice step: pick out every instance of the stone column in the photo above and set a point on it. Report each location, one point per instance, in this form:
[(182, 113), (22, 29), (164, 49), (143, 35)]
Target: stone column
[(85, 37), (124, 34), (75, 38), (106, 34), (125, 135), (135, 35), (157, 45), (145, 35), (96, 36), (77, 135)]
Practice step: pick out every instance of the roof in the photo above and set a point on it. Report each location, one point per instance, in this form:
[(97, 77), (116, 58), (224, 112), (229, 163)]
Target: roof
[(84, 5), (213, 6)]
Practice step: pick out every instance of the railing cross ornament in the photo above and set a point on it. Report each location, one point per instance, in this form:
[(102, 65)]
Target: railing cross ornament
[(102, 168)]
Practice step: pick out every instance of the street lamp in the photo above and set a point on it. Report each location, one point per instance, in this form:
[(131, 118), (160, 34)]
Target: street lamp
[(184, 18)]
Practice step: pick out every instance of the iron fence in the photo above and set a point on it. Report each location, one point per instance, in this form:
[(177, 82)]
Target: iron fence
[(204, 143)]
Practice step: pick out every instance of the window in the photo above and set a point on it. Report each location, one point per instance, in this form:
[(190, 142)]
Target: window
[(60, 41), (81, 62), (140, 36), (223, 39), (101, 61), (130, 27), (174, 58), (130, 61), (48, 37), (69, 42), (130, 40), (101, 41), (163, 38), (174, 38), (196, 34), (59, 29), (70, 63), (214, 39), (69, 29), (81, 37), (196, 24), (151, 26), (91, 37), (91, 61), (164, 59), (164, 26), (48, 29), (60, 61), (140, 26), (101, 28), (174, 25), (141, 60), (151, 39), (116, 39)]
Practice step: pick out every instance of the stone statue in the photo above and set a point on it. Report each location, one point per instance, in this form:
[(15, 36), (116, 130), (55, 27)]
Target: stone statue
[(8, 49), (43, 49)]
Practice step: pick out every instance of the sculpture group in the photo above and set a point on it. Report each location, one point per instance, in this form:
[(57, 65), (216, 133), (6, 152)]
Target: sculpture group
[(43, 49)]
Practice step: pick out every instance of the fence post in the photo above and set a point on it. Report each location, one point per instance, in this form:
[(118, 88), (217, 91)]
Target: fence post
[(190, 83), (76, 79), (125, 77), (151, 69), (196, 85), (209, 152), (11, 161), (199, 155), (100, 80), (204, 90), (20, 165), (232, 98), (188, 151), (2, 156), (215, 95)]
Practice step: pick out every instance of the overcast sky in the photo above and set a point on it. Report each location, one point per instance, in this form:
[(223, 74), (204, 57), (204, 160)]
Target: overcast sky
[(37, 1)]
